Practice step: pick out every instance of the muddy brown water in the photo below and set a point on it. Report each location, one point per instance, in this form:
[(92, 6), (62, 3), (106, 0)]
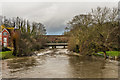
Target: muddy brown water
[(56, 65)]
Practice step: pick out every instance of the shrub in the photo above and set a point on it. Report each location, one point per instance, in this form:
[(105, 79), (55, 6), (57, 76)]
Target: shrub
[(5, 49)]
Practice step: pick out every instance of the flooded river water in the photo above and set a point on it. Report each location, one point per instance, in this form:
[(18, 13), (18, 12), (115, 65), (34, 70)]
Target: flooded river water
[(57, 64)]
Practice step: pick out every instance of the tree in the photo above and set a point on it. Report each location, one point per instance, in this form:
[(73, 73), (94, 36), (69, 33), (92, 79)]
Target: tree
[(26, 34), (94, 32), (28, 27), (79, 30), (106, 24)]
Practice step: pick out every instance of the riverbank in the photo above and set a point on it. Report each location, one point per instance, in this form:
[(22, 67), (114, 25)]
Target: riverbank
[(8, 54), (111, 55)]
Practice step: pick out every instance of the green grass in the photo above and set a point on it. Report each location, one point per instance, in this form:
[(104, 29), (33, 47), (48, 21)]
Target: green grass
[(110, 53), (6, 55)]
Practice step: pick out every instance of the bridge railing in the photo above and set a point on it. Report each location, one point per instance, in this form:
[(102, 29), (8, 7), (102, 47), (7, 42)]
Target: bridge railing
[(56, 44)]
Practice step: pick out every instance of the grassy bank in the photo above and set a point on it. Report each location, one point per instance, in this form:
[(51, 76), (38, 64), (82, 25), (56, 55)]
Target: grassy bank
[(6, 55), (109, 53)]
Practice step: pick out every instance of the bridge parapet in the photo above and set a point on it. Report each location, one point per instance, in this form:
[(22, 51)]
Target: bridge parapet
[(56, 38), (56, 44)]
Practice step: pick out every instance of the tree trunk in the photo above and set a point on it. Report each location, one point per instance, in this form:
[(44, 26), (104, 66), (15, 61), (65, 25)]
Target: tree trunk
[(105, 55), (15, 47)]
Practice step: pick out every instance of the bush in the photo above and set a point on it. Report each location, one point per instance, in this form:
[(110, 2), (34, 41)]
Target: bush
[(5, 49), (28, 44)]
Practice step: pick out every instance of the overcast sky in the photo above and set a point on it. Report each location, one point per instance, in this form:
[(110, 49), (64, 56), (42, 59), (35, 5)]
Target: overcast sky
[(54, 15)]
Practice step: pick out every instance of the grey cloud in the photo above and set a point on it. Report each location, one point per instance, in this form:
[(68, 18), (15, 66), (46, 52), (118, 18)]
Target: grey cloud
[(52, 14)]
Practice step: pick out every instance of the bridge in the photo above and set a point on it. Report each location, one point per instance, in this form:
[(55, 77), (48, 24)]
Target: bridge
[(53, 45), (56, 40)]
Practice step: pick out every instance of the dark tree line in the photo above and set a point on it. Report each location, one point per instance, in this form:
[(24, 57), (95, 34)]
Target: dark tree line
[(24, 25)]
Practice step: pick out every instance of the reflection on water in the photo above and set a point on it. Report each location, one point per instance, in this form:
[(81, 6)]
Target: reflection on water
[(92, 68), (59, 66)]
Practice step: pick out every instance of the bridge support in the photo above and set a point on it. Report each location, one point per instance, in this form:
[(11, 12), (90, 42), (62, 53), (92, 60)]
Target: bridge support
[(53, 47)]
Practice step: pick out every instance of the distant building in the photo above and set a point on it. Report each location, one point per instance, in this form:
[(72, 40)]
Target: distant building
[(5, 37), (5, 33), (0, 39)]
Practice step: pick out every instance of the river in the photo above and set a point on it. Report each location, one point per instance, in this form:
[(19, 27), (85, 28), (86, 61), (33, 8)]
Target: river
[(58, 64)]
